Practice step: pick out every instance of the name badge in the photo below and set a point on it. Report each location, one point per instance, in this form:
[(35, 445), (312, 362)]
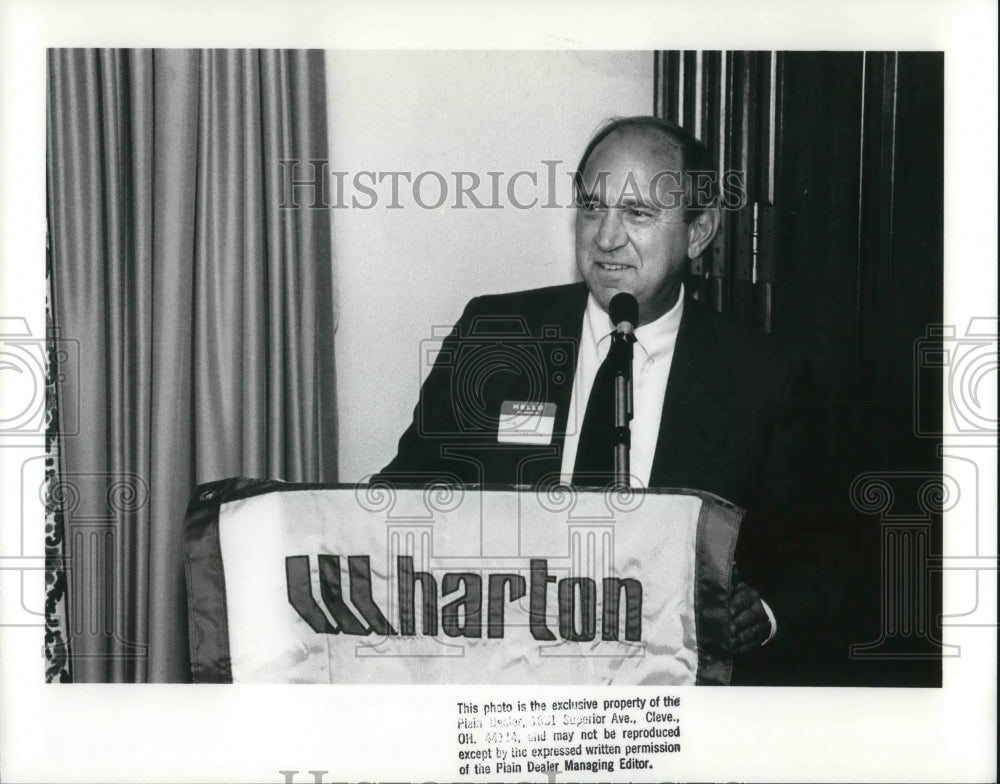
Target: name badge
[(526, 423)]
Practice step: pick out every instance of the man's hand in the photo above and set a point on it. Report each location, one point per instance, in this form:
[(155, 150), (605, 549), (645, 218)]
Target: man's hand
[(749, 626)]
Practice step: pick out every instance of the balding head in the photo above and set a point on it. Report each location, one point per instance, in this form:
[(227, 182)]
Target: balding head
[(682, 157)]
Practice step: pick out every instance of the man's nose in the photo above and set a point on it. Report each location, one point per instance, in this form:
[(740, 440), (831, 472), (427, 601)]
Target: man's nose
[(611, 233)]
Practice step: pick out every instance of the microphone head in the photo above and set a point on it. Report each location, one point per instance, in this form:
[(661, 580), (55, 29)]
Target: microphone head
[(623, 307)]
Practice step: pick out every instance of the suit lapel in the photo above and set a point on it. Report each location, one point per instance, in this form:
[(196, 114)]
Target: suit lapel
[(568, 315), (559, 326), (688, 425)]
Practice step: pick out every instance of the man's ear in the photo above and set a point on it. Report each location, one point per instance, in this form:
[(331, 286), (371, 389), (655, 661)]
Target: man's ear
[(702, 231)]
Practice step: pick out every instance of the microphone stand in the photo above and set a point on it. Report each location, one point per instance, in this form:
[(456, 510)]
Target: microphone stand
[(622, 341)]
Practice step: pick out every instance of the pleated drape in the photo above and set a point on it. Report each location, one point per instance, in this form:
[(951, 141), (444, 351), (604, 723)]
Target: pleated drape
[(203, 313)]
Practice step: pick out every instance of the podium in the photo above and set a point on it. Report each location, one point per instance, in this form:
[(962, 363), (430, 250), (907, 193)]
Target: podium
[(382, 583)]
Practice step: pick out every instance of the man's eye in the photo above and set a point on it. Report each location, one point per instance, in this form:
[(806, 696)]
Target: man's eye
[(590, 206), (639, 212)]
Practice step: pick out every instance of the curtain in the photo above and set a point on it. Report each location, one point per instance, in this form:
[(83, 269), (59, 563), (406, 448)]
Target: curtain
[(731, 101), (56, 664), (202, 307)]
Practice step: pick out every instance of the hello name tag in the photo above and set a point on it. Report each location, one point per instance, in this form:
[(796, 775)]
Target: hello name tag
[(526, 422)]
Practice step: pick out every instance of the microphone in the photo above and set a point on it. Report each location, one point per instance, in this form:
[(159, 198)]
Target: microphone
[(624, 312)]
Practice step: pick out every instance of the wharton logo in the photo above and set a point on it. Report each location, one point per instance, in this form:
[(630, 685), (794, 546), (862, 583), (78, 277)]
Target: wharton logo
[(461, 614)]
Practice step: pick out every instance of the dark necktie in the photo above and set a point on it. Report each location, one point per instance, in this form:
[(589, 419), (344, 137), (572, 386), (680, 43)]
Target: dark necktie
[(595, 461)]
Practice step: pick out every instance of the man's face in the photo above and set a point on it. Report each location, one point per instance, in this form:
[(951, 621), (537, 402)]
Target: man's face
[(629, 237)]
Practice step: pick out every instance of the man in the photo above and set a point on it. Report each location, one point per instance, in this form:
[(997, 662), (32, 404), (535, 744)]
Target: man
[(715, 406)]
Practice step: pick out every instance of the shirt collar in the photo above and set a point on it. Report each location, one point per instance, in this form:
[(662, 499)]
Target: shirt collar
[(655, 339)]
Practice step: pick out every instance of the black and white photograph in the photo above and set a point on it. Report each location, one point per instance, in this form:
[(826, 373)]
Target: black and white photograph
[(391, 409)]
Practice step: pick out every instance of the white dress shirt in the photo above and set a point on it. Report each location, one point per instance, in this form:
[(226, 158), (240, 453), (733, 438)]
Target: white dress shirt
[(651, 359)]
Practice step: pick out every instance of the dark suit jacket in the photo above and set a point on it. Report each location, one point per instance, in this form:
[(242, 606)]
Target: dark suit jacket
[(735, 422)]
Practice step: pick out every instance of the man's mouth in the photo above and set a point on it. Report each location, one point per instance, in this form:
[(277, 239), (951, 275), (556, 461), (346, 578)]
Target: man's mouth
[(609, 267)]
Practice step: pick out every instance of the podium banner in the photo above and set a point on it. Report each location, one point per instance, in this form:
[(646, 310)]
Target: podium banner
[(458, 584)]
